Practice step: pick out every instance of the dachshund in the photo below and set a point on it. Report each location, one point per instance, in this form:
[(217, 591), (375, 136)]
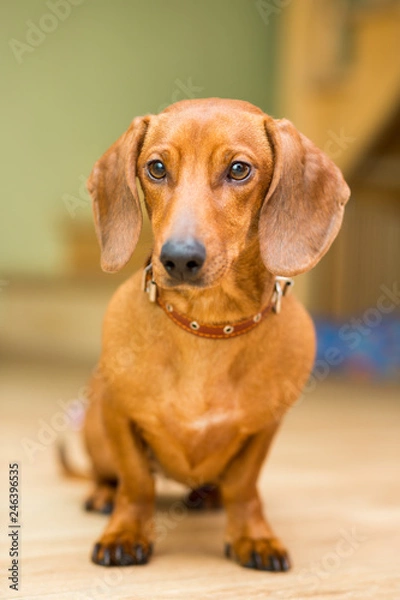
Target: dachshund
[(203, 350)]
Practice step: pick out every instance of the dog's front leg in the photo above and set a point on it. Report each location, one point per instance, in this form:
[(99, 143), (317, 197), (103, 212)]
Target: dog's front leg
[(249, 538), (127, 537)]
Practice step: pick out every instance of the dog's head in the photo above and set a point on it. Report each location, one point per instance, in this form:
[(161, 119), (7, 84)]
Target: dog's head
[(218, 177)]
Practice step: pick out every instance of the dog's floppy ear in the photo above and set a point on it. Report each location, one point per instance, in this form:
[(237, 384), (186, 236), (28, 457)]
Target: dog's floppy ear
[(303, 210), (116, 206)]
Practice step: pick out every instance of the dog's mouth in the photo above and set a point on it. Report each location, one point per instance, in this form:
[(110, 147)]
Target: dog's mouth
[(168, 282), (198, 283), (205, 279)]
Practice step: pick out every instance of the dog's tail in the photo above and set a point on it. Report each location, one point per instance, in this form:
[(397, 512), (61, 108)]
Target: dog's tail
[(69, 470)]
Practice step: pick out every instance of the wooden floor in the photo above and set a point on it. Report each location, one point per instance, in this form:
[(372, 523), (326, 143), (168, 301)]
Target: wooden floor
[(331, 486)]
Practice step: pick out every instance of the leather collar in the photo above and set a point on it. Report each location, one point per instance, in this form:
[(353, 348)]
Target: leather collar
[(226, 330)]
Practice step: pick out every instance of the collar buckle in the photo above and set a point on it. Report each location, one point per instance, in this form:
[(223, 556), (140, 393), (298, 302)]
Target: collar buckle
[(282, 286), (148, 284)]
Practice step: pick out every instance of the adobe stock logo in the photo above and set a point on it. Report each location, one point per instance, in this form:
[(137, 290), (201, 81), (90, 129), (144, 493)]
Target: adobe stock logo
[(36, 33)]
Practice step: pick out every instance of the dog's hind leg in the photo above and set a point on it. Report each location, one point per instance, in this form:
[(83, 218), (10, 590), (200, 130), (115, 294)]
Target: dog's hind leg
[(101, 499)]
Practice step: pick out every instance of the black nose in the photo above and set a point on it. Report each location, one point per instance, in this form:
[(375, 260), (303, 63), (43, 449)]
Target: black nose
[(183, 259)]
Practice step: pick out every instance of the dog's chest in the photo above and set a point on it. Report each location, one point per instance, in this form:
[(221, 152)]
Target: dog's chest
[(198, 417), (202, 417), (196, 402)]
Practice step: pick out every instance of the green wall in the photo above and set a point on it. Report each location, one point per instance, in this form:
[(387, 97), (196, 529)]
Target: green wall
[(67, 94)]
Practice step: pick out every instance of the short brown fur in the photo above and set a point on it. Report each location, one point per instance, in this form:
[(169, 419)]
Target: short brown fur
[(204, 410)]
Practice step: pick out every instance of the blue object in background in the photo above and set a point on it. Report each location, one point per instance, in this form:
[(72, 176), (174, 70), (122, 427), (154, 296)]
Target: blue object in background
[(358, 351)]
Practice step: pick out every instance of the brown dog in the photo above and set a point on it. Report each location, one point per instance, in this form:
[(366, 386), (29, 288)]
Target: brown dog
[(199, 378)]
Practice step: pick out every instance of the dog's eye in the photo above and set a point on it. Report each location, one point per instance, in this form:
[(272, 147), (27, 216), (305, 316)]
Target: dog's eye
[(239, 171), (156, 169)]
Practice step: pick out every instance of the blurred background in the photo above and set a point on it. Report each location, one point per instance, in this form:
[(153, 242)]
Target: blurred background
[(75, 72)]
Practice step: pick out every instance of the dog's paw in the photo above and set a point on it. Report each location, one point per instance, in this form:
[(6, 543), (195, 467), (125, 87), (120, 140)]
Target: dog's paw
[(265, 554), (206, 497), (101, 499), (121, 551)]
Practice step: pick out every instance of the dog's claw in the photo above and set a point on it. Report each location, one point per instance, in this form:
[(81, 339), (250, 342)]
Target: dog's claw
[(260, 554), (285, 563), (121, 554), (123, 558), (88, 505), (257, 561), (104, 509), (106, 560), (141, 558), (118, 553), (95, 552), (101, 500), (107, 508), (275, 564)]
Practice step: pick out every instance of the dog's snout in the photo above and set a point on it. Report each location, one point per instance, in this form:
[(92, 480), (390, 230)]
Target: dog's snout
[(183, 259)]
